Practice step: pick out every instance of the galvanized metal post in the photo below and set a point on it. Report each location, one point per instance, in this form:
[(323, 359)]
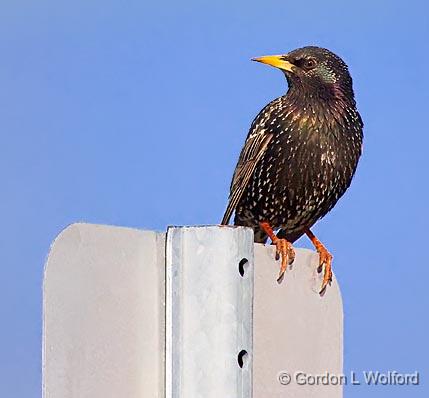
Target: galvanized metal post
[(209, 312)]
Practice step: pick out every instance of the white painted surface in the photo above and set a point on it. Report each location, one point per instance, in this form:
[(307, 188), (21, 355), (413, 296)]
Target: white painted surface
[(295, 330), (209, 312), (104, 314)]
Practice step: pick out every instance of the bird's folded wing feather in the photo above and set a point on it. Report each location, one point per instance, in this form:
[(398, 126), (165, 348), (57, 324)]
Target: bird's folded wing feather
[(254, 148)]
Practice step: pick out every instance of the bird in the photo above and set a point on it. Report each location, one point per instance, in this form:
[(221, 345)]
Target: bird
[(300, 155)]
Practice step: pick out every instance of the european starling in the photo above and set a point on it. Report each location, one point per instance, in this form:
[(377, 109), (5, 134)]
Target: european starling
[(300, 154)]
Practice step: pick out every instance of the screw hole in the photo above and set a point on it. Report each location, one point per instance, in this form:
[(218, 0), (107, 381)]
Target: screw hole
[(243, 265), (242, 358)]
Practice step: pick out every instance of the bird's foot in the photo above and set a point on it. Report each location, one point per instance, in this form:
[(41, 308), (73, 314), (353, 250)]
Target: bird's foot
[(284, 250), (325, 260)]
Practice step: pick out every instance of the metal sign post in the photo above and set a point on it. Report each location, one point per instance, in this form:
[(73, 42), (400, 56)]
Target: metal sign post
[(194, 312)]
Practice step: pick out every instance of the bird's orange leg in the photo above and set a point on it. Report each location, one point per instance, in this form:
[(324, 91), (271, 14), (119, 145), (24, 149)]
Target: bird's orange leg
[(325, 259), (284, 249)]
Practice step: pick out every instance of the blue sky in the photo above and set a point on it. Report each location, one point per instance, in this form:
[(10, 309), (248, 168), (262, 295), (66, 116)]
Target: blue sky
[(133, 113)]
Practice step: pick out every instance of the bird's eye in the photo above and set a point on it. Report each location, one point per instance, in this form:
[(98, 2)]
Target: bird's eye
[(310, 63)]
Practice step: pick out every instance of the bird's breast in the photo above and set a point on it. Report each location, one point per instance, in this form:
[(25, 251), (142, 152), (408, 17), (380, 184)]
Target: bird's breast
[(305, 168)]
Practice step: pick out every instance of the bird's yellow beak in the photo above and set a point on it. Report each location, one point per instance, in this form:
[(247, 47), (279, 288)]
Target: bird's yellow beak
[(277, 61)]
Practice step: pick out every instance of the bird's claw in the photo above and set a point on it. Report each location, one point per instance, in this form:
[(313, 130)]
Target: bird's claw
[(325, 260), (284, 250)]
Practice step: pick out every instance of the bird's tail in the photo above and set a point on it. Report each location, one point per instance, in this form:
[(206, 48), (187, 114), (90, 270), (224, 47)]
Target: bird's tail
[(227, 216)]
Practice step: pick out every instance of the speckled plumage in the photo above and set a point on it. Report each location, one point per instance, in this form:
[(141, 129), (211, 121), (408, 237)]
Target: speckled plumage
[(301, 151)]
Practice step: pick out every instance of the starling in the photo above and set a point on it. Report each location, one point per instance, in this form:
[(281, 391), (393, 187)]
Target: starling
[(300, 154)]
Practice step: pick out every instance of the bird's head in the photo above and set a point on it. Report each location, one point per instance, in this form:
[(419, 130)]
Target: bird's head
[(315, 70)]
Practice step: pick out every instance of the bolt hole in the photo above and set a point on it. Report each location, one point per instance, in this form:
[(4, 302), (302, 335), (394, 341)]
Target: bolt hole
[(242, 358), (243, 265)]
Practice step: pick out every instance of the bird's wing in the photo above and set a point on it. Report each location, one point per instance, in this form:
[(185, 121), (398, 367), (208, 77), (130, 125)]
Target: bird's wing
[(253, 150)]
